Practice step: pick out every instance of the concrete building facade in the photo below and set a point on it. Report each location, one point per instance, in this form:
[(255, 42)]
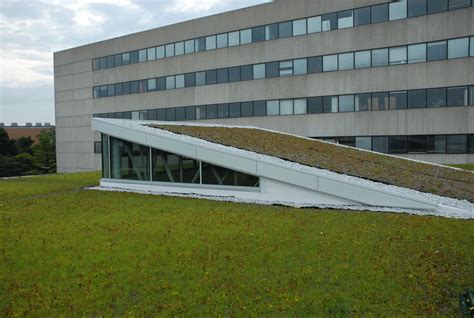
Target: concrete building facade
[(391, 76)]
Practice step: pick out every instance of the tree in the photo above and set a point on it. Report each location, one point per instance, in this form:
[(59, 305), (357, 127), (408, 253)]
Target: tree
[(44, 152), (7, 145), (23, 145)]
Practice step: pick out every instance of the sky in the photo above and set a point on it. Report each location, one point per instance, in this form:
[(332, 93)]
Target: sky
[(31, 30)]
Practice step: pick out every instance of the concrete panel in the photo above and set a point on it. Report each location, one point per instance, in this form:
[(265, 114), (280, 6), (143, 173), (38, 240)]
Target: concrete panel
[(289, 176), (169, 145)]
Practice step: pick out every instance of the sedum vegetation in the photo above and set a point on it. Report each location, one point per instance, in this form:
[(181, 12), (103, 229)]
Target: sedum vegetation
[(67, 251)]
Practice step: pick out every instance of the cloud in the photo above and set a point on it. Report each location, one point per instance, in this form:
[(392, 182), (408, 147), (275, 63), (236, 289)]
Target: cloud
[(188, 6)]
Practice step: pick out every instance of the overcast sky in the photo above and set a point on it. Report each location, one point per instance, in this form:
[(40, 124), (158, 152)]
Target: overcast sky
[(31, 30)]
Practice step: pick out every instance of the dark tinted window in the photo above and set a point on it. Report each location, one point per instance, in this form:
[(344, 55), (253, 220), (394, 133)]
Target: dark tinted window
[(223, 110), (133, 57), (211, 77), (126, 88), (118, 89), (161, 83), (436, 97), (272, 69), (181, 113), (470, 141), (456, 144), (125, 58), (329, 22), (103, 63), (315, 64), (170, 114), (362, 16), (330, 104), (200, 45), (246, 109), (379, 13), (398, 100), (380, 144), (271, 31), (416, 143), (259, 108), (110, 61), (417, 98), (234, 74), (285, 29), (133, 87), (362, 102), (211, 111), (246, 73), (435, 6), (258, 34), (457, 96), (223, 75), (111, 90), (161, 114), (437, 51), (315, 105), (436, 144), (152, 114), (189, 80), (118, 60), (416, 8), (458, 4), (190, 113), (398, 144), (234, 110)]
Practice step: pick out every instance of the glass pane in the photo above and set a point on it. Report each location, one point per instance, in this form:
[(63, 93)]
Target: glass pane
[(134, 87), (362, 59), (129, 160), (315, 105), (200, 45), (416, 144), (285, 29), (189, 46), (471, 95), (436, 97), (234, 74), (314, 24), (111, 90), (222, 75), (329, 22), (133, 57), (286, 107), (189, 80), (259, 108), (346, 103), (258, 71), (211, 77), (179, 48), (111, 61), (168, 167), (161, 114), (234, 110), (125, 58), (315, 64), (190, 113), (170, 82), (380, 144), (142, 56), (180, 81), (169, 50), (345, 19), (201, 112), (435, 6), (160, 52), (212, 174), (300, 106), (118, 89), (246, 36), (271, 32), (346, 61), (417, 98), (151, 54), (299, 27), (379, 13), (246, 109), (458, 4), (211, 43), (417, 53), (234, 38), (211, 111), (103, 62), (456, 144), (246, 73), (436, 144), (398, 55), (223, 110), (362, 102), (398, 100), (142, 86), (458, 48), (362, 16), (161, 83), (379, 57), (300, 67), (437, 51), (272, 69), (416, 8), (363, 143), (398, 10), (457, 96), (200, 78), (222, 40), (258, 34), (95, 64), (170, 114), (398, 144), (379, 101), (118, 60), (330, 104), (286, 68), (330, 63), (273, 107)]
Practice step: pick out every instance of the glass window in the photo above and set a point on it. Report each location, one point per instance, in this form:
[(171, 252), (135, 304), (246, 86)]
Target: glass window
[(161, 83), (201, 112), (189, 47), (315, 64), (96, 92), (212, 174), (286, 107), (144, 115), (246, 73), (234, 38), (436, 144), (95, 64), (259, 108), (160, 52), (129, 160), (200, 78), (380, 144), (346, 61), (379, 13), (211, 43), (223, 110), (271, 31), (299, 106), (234, 74), (142, 56), (417, 98), (179, 48), (329, 22), (222, 40), (170, 84), (142, 86), (458, 48), (330, 104), (458, 4), (398, 100), (258, 34), (126, 88), (314, 24), (416, 144), (133, 57), (211, 111), (190, 80), (118, 60), (345, 19), (169, 50), (300, 67), (416, 8), (398, 144), (330, 63), (286, 68), (436, 97), (110, 61), (272, 69), (246, 109), (180, 81), (170, 114), (362, 59), (200, 44), (152, 114), (246, 36), (398, 10), (315, 105), (417, 53), (134, 87), (362, 102), (161, 114), (457, 96), (379, 57), (471, 53), (285, 29), (168, 167), (299, 27), (398, 55), (346, 103), (470, 140), (435, 6), (437, 51), (126, 58), (379, 101), (103, 63), (363, 143), (258, 71), (456, 144), (190, 113), (362, 16), (118, 89), (471, 95), (222, 75), (346, 141), (211, 77), (151, 54), (234, 110), (273, 107)]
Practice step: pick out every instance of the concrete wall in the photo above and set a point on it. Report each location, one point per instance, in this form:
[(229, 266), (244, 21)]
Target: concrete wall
[(74, 77)]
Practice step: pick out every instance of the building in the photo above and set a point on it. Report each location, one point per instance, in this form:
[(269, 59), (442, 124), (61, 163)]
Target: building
[(14, 131), (391, 76)]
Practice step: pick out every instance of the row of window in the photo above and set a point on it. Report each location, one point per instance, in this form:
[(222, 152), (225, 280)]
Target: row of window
[(406, 99), (451, 144), (396, 10), (415, 53)]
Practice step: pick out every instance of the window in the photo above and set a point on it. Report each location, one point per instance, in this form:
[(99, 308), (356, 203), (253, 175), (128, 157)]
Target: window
[(436, 97), (211, 77), (379, 101), (200, 78), (437, 51), (201, 112), (246, 36), (435, 6), (299, 106), (118, 89), (300, 67), (180, 81), (416, 8), (170, 84), (471, 94), (259, 71), (436, 144), (362, 102), (380, 144), (189, 47), (272, 69), (142, 56), (379, 13), (223, 110), (133, 57), (363, 143), (398, 55), (346, 103), (285, 29), (299, 27), (456, 144), (170, 114), (144, 115), (95, 64), (103, 63), (470, 141), (246, 109), (234, 38), (315, 64), (161, 83), (273, 107), (330, 63), (126, 88), (416, 144), (179, 48), (190, 113), (160, 52), (222, 75), (222, 40), (246, 73), (130, 161), (125, 58), (190, 80), (330, 104), (200, 45), (110, 61), (161, 114), (362, 16), (234, 74), (398, 100), (458, 48), (134, 87), (169, 50), (211, 111), (286, 68), (234, 110), (345, 19), (118, 60), (151, 54), (471, 53), (417, 53), (457, 96), (152, 114), (168, 167), (96, 92), (398, 10), (142, 86), (417, 98), (398, 144), (379, 57), (362, 59), (286, 107), (314, 24), (346, 61), (271, 31), (458, 4), (212, 174), (329, 22), (259, 108), (211, 43)]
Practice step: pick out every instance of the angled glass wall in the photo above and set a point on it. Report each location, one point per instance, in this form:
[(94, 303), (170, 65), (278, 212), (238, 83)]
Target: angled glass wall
[(128, 160)]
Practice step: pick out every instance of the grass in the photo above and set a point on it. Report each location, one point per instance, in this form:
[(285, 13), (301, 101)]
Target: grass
[(346, 160), (72, 252), (465, 166)]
